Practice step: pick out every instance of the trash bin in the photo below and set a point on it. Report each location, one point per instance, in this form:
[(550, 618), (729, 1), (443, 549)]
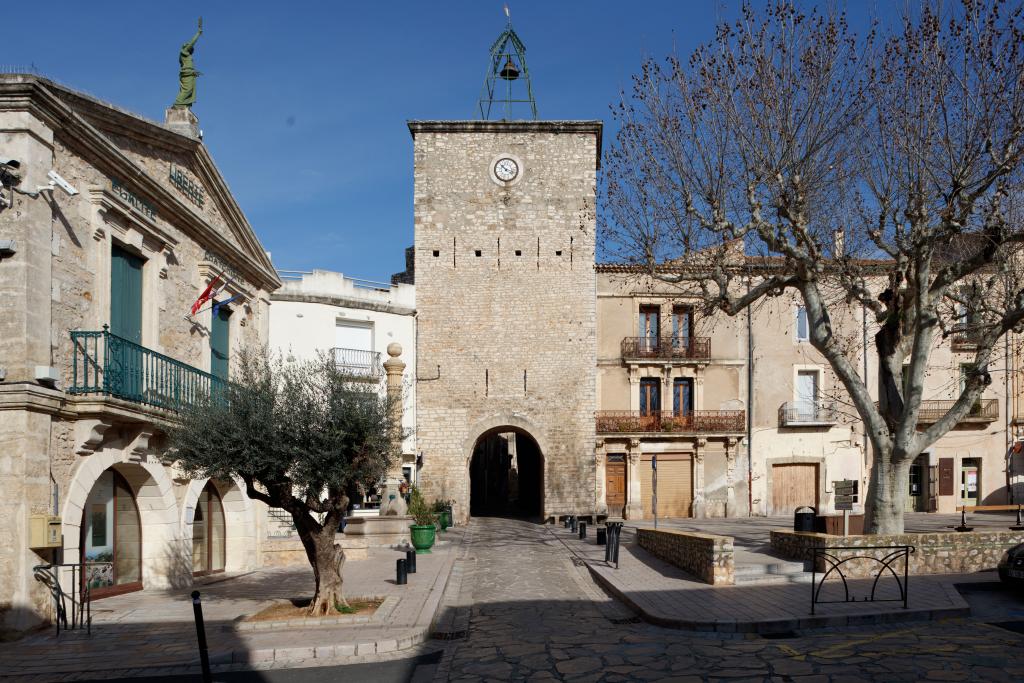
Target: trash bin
[(803, 518)]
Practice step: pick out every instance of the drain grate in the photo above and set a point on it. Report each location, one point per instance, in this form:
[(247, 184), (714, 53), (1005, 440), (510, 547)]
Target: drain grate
[(779, 635), (449, 635), (627, 620)]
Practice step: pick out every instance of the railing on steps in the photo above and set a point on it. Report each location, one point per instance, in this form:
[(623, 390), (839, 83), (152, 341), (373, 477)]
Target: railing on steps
[(72, 600)]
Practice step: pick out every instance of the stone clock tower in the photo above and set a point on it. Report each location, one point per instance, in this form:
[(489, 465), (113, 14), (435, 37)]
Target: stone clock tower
[(505, 298)]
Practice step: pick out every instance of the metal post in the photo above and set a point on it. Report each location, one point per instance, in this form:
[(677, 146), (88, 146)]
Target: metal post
[(602, 536), (583, 530), (572, 523), (410, 561), (401, 573), (204, 655), (615, 550), (906, 582), (846, 522), (814, 575), (654, 488)]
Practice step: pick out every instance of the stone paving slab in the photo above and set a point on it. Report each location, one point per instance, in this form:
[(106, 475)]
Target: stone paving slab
[(150, 630), (667, 596)]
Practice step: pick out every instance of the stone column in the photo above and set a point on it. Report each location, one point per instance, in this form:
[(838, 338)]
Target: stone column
[(699, 509), (634, 507), (394, 369), (634, 387), (666, 388), (601, 491), (730, 477)]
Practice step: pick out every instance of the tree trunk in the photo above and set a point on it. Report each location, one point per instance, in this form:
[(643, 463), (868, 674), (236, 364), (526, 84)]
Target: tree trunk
[(887, 492), (327, 559)]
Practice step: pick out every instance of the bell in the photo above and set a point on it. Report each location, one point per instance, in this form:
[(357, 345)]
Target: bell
[(509, 72)]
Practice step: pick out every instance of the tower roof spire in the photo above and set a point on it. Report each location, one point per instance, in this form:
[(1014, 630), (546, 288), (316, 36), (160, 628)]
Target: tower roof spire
[(507, 86)]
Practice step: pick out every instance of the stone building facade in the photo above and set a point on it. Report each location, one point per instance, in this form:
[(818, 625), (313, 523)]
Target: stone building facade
[(709, 375), (97, 347), (505, 294)]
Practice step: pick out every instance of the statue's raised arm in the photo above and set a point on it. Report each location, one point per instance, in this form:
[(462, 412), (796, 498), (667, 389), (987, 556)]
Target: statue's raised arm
[(187, 73)]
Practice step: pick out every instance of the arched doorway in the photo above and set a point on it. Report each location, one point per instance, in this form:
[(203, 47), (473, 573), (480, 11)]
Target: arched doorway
[(209, 533), (506, 475), (111, 532)]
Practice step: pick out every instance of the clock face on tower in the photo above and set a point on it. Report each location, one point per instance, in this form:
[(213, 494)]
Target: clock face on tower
[(506, 169)]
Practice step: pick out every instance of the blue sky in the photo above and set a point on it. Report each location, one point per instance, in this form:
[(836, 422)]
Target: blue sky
[(304, 104)]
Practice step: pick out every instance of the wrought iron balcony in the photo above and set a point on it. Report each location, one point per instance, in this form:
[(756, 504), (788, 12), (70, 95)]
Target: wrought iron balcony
[(807, 414), (696, 422), (984, 410), (104, 363), (963, 341), (667, 348), (359, 363)]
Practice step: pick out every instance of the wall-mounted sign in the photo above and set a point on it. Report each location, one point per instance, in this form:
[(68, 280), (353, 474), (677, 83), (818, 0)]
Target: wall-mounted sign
[(221, 265), (187, 186), (136, 202)]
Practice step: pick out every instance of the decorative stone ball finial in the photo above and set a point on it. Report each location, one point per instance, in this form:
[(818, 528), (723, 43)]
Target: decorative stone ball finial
[(394, 349)]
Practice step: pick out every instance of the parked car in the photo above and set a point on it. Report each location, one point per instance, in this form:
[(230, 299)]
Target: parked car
[(1011, 566)]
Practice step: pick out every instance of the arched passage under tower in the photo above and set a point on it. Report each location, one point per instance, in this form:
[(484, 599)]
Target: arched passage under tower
[(506, 475)]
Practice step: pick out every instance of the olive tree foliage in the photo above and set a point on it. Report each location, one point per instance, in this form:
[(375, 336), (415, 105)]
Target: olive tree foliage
[(878, 171), (300, 435)]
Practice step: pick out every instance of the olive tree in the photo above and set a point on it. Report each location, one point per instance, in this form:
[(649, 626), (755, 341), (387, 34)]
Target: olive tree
[(300, 436), (878, 171)]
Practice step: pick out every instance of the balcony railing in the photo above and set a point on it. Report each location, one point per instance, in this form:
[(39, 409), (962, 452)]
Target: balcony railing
[(985, 410), (667, 348), (963, 342), (104, 363), (807, 413), (358, 363), (696, 422)]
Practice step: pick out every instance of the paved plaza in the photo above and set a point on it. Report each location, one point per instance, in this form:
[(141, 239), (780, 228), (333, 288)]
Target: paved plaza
[(512, 600), (532, 613)]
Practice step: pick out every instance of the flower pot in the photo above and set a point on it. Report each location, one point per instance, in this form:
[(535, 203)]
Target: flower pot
[(422, 537), (446, 519)]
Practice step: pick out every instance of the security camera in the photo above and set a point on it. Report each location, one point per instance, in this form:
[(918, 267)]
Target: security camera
[(56, 179), (10, 163)]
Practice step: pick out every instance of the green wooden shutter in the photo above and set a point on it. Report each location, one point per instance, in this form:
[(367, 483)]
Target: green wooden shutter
[(220, 343), (126, 294)]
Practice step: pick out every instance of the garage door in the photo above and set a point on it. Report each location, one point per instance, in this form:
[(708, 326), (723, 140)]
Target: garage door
[(793, 486), (675, 485)]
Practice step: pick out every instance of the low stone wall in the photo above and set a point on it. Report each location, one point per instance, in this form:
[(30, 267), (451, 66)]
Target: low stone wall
[(934, 553), (708, 557), (288, 551)]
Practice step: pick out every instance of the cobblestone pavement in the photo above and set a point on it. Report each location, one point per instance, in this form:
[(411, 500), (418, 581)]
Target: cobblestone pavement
[(531, 614)]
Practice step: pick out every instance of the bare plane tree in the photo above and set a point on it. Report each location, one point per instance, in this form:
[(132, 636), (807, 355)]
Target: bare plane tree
[(880, 171)]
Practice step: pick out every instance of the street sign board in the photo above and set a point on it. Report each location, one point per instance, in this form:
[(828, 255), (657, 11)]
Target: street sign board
[(846, 493), (846, 499)]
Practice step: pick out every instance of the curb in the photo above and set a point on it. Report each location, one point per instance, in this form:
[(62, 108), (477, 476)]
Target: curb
[(411, 636), (784, 624)]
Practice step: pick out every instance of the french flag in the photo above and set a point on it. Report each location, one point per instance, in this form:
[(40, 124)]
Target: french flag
[(205, 296)]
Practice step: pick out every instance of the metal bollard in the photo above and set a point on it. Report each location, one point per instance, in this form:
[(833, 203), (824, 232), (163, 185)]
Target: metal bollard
[(204, 655), (572, 523), (410, 561), (602, 536), (401, 574), (583, 530), (565, 522), (615, 550), (611, 539)]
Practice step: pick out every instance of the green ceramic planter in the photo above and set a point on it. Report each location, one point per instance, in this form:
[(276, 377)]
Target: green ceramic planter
[(446, 520), (422, 537)]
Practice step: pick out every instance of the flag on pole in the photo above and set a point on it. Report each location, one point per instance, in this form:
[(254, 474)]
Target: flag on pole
[(205, 296), (507, 12), (218, 304)]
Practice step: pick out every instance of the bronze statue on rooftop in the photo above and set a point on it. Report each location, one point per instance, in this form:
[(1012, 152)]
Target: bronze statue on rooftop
[(188, 73)]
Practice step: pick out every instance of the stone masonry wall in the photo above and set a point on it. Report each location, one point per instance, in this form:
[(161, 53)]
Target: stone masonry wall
[(937, 553), (505, 298), (708, 557)]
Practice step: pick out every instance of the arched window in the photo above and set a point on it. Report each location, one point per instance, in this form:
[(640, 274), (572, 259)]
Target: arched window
[(208, 532), (111, 541)]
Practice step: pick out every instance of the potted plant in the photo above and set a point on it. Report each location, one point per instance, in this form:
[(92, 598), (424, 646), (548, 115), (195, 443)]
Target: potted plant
[(443, 510), (424, 520)]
